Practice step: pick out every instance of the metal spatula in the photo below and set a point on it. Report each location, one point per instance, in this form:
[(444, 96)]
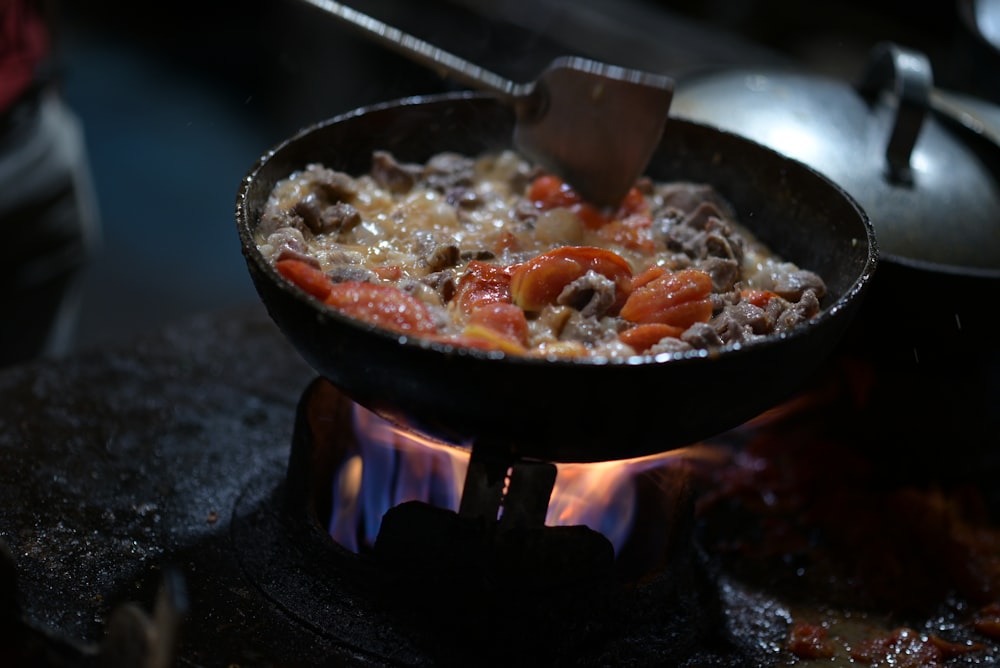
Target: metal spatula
[(595, 125)]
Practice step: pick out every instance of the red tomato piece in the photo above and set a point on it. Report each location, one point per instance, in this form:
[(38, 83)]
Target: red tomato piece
[(540, 280), (632, 232), (904, 648), (676, 298), (647, 275), (482, 283), (644, 337), (590, 216), (634, 203), (484, 338), (307, 277), (757, 297), (382, 305), (505, 319), (549, 191), (506, 241), (810, 641)]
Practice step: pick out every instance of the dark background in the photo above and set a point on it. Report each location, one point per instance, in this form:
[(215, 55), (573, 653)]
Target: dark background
[(178, 100)]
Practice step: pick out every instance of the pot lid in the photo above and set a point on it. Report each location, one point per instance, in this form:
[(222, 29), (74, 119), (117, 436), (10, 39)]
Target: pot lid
[(927, 180)]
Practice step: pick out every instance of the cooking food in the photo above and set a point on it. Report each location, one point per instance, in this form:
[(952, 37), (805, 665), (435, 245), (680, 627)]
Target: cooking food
[(491, 252), (548, 407)]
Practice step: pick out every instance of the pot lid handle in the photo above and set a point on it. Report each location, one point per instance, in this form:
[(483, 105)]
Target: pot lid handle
[(910, 74)]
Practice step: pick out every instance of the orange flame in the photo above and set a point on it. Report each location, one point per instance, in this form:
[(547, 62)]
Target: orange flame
[(396, 465)]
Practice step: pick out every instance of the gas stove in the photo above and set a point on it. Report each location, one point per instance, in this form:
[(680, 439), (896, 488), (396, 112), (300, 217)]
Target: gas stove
[(171, 501), (166, 505)]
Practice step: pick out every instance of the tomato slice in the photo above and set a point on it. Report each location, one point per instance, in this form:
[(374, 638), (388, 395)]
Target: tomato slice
[(484, 338), (549, 192), (482, 283), (675, 298), (505, 319), (306, 277), (647, 275), (643, 337), (634, 203), (632, 232), (539, 281), (382, 305)]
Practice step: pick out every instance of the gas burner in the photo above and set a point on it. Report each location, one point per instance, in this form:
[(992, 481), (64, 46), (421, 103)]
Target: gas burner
[(464, 587)]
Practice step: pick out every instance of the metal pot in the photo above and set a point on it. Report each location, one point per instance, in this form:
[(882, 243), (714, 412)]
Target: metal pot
[(924, 164), (569, 410), (930, 187)]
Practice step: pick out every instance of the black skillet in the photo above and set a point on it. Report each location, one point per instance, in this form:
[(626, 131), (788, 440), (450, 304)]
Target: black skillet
[(568, 410)]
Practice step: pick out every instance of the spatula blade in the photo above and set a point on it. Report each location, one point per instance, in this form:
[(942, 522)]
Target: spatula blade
[(595, 125)]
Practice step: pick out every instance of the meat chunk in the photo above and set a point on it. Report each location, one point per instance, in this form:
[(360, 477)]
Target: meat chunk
[(794, 284), (393, 175), (725, 272), (351, 272), (704, 233), (588, 329), (443, 256), (592, 294), (315, 202), (684, 198), (698, 335), (791, 282), (288, 243), (444, 283), (742, 322), (463, 198), (447, 172), (669, 344), (332, 185), (797, 312), (336, 217), (275, 219)]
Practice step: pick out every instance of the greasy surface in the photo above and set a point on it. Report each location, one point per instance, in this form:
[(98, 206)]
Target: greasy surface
[(116, 464), (882, 551)]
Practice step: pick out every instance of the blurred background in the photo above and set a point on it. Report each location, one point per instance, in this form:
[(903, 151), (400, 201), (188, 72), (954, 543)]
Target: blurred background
[(178, 100)]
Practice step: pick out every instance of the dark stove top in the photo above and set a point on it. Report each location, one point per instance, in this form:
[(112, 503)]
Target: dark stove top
[(118, 464), (162, 464), (161, 467), (153, 475)]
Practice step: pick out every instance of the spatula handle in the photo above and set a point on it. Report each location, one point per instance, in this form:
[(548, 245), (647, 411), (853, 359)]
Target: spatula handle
[(429, 55)]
